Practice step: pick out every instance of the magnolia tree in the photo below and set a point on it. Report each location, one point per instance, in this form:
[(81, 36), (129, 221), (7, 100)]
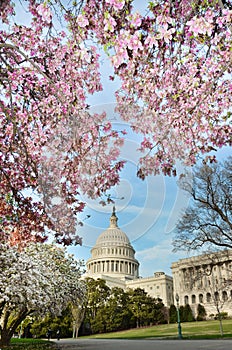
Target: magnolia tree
[(173, 61), (38, 279)]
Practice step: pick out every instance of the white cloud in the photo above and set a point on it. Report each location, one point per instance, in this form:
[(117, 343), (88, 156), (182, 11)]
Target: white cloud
[(158, 258)]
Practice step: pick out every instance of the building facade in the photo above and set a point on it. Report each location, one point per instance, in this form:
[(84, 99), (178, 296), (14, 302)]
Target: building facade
[(205, 280), (113, 259)]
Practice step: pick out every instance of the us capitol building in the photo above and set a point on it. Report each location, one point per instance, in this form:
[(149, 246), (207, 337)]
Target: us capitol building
[(197, 280)]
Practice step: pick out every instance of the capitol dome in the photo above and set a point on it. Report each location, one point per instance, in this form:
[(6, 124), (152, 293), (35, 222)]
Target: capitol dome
[(113, 255)]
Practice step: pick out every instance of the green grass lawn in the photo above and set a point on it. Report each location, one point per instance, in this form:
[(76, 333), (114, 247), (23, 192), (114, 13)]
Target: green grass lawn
[(190, 330), (29, 344)]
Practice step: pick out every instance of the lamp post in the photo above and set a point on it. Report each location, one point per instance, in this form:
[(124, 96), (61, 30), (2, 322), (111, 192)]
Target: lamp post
[(178, 317)]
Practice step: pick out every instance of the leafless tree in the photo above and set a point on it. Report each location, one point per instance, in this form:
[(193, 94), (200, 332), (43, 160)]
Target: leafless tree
[(210, 277), (207, 222)]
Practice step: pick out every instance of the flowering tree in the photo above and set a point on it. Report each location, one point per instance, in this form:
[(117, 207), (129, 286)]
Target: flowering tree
[(49, 141), (39, 279), (174, 66)]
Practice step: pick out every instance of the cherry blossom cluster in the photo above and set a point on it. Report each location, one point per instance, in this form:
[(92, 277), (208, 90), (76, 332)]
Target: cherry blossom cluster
[(174, 64), (51, 146)]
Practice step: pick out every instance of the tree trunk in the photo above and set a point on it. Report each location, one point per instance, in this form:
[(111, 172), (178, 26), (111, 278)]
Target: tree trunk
[(75, 331), (5, 338), (220, 319), (220, 323), (8, 328)]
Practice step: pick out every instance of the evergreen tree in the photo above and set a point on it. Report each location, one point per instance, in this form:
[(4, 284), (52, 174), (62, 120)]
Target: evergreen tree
[(118, 312), (138, 305), (187, 314), (181, 312), (114, 309), (159, 315), (95, 307), (201, 313), (172, 314), (63, 323)]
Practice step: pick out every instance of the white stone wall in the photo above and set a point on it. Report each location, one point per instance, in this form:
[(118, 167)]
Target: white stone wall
[(158, 286), (205, 280)]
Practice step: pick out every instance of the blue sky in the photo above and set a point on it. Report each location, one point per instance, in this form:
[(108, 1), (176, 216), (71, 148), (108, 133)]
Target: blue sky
[(147, 213), (149, 209)]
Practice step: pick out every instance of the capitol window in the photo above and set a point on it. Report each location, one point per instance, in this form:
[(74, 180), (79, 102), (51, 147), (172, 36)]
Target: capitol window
[(224, 296), (200, 298)]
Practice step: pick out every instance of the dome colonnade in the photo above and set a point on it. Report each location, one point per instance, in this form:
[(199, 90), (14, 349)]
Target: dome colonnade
[(113, 254)]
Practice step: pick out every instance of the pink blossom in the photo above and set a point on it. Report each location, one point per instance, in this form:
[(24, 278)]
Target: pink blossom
[(135, 19), (227, 14), (110, 23), (200, 26), (107, 127), (134, 42), (44, 12), (151, 40), (82, 21), (117, 4), (165, 33)]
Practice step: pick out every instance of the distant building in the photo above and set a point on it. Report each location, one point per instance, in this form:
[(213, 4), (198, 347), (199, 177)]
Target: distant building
[(205, 280), (113, 259)]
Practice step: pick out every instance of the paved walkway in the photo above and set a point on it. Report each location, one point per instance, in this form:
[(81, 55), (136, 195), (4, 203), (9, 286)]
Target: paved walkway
[(146, 344)]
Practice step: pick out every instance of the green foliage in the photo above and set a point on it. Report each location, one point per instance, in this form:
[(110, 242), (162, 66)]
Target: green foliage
[(222, 316), (186, 314), (97, 295), (172, 314), (139, 306), (63, 322), (114, 309), (145, 309), (119, 316), (160, 313), (201, 313)]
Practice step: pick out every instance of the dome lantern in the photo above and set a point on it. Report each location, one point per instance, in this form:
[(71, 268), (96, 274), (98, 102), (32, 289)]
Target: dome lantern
[(113, 219)]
